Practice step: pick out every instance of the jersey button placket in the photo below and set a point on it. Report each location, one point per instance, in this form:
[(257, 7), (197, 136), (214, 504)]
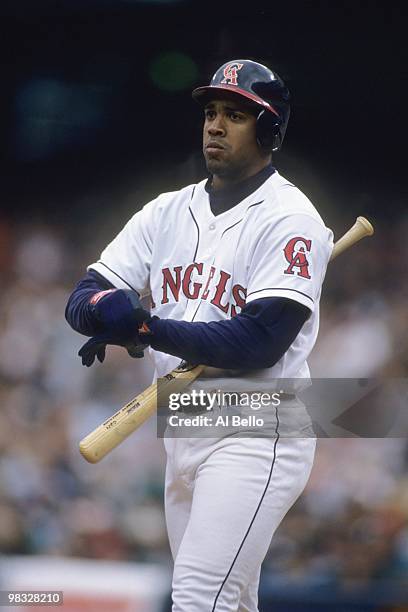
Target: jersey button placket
[(210, 241)]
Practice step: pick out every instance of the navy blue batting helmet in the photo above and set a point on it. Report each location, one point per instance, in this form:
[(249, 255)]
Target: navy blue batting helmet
[(260, 86)]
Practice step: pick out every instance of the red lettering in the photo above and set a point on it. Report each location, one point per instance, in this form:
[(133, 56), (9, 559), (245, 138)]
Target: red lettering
[(220, 290), (297, 259), (187, 280), (173, 284), (206, 290), (231, 73), (239, 295)]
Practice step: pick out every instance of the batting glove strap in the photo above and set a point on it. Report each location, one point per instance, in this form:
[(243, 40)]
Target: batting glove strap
[(98, 296)]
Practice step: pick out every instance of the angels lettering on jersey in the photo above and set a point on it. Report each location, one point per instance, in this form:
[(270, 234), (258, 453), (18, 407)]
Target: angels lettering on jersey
[(193, 283), (214, 287)]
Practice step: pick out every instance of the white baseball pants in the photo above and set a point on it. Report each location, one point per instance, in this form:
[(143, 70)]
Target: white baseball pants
[(224, 500)]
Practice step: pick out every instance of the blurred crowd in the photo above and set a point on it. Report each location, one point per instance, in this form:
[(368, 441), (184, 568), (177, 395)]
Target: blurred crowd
[(351, 523)]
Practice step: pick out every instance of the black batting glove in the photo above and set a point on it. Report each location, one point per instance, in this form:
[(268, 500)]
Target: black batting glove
[(96, 347)]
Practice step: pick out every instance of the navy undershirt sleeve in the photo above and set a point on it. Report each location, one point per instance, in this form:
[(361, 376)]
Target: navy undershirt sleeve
[(77, 311), (256, 338)]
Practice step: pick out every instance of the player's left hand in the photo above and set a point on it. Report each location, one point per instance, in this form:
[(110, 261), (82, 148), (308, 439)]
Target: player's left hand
[(119, 311), (96, 347)]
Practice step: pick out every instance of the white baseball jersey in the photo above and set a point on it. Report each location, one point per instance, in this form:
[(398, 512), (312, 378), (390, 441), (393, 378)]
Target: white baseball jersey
[(201, 267), (226, 495)]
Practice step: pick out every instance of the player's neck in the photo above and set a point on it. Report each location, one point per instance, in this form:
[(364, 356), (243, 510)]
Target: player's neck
[(219, 183), (224, 199), (222, 182)]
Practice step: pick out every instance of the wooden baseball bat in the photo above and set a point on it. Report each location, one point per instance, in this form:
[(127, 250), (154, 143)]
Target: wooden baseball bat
[(119, 426), (361, 228)]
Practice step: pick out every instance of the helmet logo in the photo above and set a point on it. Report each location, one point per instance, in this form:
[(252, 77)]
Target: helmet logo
[(231, 73)]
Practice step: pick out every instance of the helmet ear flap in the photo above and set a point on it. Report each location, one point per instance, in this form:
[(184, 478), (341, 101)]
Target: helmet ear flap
[(268, 130)]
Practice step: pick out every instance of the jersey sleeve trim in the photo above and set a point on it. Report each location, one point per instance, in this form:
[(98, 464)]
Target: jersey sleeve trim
[(111, 275), (291, 294)]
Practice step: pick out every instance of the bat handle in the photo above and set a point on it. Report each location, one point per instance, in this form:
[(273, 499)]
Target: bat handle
[(361, 228), (366, 225)]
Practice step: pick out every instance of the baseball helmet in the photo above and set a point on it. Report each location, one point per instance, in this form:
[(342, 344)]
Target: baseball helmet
[(263, 88)]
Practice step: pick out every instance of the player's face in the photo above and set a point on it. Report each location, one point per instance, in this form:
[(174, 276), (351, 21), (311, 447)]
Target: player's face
[(229, 141)]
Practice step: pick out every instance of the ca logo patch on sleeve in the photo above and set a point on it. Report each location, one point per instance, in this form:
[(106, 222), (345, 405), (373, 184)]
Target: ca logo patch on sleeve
[(295, 253)]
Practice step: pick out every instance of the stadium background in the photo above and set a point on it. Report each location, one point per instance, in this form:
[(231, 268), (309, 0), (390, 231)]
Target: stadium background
[(96, 119)]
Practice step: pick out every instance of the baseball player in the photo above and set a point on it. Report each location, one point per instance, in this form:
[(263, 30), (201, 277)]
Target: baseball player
[(234, 267)]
